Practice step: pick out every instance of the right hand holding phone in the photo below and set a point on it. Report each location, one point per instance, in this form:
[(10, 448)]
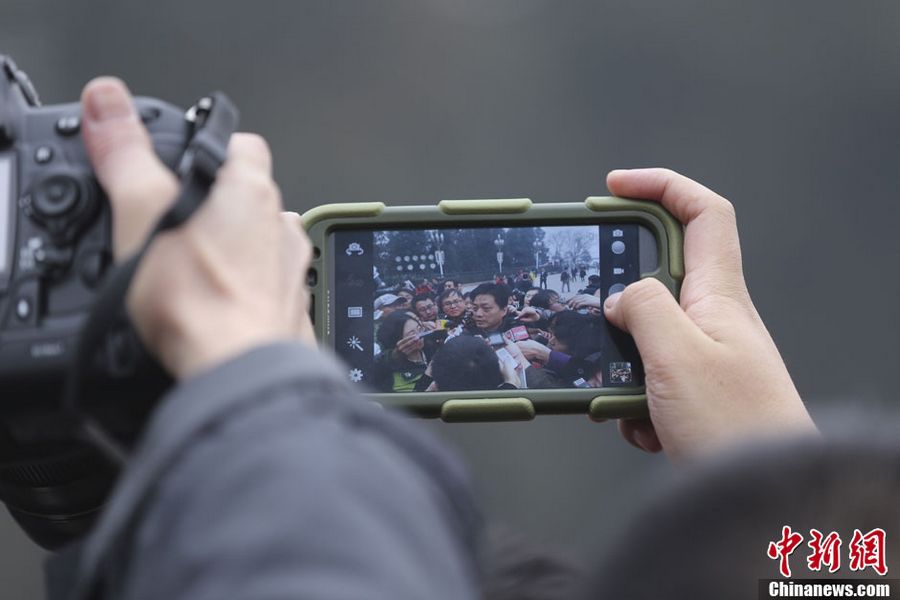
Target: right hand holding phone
[(713, 374)]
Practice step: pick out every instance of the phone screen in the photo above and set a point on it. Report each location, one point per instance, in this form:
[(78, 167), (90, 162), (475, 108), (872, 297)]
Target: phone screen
[(484, 308)]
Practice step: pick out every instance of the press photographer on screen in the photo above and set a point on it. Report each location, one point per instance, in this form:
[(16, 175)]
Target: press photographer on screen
[(56, 250)]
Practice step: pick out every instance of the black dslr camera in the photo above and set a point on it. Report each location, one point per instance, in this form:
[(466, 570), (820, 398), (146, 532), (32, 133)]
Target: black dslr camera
[(55, 250)]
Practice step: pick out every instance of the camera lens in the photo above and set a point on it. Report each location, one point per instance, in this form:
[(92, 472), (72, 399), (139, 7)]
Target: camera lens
[(56, 196)]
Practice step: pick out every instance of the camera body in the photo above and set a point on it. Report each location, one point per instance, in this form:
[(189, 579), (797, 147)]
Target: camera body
[(55, 233), (55, 250)]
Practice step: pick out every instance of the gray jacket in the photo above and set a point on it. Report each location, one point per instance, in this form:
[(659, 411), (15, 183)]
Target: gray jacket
[(269, 478)]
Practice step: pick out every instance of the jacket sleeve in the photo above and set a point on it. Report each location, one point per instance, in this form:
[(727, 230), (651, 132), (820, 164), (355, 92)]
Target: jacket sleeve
[(269, 478)]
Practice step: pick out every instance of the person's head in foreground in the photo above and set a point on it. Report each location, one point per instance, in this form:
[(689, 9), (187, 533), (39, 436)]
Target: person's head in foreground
[(466, 363), (575, 334), (713, 535)]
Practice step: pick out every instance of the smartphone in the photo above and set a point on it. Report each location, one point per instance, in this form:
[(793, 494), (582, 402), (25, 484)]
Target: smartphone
[(487, 283)]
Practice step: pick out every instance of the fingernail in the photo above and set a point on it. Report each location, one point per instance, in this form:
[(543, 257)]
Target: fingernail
[(107, 100), (611, 301)]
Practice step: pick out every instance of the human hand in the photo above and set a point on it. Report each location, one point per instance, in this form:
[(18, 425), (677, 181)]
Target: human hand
[(231, 277), (713, 374), (510, 372), (410, 343), (534, 351), (585, 301), (528, 315), (516, 353)]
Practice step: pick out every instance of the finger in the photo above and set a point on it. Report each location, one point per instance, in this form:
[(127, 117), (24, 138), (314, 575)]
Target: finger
[(139, 186), (641, 434), (295, 259), (712, 253), (649, 312), (252, 150), (300, 246), (244, 191)]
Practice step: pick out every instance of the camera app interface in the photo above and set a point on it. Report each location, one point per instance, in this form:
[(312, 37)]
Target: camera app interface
[(465, 309)]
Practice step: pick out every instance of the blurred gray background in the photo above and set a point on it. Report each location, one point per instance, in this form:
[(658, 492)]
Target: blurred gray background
[(790, 109)]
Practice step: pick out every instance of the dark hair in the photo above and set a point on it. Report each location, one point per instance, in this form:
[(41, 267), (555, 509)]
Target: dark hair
[(712, 528), (420, 298), (580, 333), (466, 363), (516, 568), (594, 279), (391, 330), (499, 292), (544, 298)]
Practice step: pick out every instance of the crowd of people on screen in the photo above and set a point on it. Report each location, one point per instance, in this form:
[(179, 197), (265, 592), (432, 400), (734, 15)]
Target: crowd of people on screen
[(514, 332)]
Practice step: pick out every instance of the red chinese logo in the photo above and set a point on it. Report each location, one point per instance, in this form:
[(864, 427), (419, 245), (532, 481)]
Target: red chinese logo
[(825, 551), (865, 550), (868, 551), (784, 548)]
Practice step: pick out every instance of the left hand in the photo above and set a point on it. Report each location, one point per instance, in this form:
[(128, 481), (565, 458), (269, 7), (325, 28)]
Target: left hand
[(231, 277)]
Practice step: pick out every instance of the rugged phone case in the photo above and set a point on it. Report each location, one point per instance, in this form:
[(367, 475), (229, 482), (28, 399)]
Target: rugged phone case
[(500, 405)]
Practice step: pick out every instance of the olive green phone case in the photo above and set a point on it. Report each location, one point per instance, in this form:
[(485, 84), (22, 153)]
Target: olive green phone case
[(500, 405)]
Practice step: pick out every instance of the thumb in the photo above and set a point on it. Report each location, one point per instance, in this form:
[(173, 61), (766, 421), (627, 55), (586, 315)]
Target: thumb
[(139, 186), (648, 311)]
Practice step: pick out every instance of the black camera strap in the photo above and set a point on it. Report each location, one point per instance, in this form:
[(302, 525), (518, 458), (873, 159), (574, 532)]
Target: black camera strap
[(214, 119)]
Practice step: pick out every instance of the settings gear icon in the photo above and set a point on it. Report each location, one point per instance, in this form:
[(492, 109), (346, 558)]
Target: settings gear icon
[(356, 375)]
